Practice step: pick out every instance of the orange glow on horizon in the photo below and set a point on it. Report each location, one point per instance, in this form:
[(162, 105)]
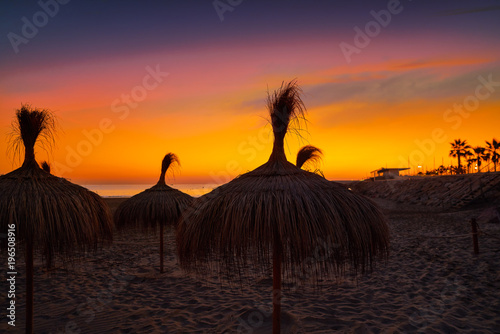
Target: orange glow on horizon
[(363, 116)]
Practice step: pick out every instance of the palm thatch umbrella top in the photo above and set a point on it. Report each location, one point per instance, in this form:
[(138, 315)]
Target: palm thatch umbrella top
[(281, 213), (50, 214), (308, 155), (158, 206)]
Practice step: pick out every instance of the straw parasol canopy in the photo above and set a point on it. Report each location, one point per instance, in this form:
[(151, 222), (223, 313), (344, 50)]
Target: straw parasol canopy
[(281, 213), (48, 258), (50, 214), (158, 206)]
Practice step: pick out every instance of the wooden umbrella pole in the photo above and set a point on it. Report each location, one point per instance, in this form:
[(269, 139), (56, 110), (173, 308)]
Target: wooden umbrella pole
[(29, 287), (276, 287), (161, 248)]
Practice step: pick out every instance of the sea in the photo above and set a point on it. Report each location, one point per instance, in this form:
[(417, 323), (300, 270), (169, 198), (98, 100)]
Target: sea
[(129, 190)]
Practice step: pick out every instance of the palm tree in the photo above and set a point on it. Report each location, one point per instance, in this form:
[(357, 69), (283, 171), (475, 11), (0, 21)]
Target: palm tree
[(470, 162), (459, 148), (492, 148), (479, 151), (468, 155), (486, 158)]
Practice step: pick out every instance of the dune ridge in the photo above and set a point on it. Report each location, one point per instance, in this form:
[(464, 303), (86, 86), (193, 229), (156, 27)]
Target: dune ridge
[(444, 192)]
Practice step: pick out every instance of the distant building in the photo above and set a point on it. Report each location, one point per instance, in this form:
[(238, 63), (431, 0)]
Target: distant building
[(387, 173)]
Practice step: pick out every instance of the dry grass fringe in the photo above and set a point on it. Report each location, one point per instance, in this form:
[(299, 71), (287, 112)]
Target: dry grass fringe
[(169, 161), (308, 155), (307, 216), (157, 205), (285, 107), (29, 126)]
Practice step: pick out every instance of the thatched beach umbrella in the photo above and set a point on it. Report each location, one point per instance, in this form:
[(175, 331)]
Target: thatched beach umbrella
[(50, 214), (281, 213), (158, 206)]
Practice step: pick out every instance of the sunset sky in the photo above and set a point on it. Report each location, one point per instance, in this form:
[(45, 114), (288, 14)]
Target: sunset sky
[(132, 80)]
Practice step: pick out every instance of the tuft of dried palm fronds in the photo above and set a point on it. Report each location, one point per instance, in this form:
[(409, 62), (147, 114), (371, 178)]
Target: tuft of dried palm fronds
[(308, 155), (32, 125)]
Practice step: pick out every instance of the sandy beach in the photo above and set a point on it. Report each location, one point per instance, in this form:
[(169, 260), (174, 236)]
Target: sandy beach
[(432, 283)]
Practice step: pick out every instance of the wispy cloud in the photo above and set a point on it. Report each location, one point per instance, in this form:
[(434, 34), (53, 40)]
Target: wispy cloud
[(364, 97), (443, 62), (469, 11)]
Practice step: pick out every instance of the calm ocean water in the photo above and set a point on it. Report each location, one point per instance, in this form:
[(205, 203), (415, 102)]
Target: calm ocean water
[(128, 190)]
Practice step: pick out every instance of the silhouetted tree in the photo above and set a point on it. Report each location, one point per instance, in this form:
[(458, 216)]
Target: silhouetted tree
[(486, 158), (459, 148), (431, 172), (492, 148), (455, 169), (470, 162), (479, 151)]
